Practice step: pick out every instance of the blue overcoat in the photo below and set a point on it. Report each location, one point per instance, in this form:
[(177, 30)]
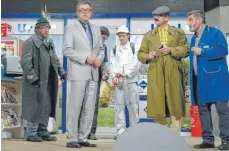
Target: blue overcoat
[(212, 83)]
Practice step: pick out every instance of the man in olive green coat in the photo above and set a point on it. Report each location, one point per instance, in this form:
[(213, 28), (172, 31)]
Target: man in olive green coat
[(163, 48)]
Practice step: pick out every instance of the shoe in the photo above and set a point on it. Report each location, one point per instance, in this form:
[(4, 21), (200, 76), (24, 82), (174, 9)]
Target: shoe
[(204, 145), (73, 145), (87, 144), (49, 138), (224, 146), (34, 139), (92, 137)]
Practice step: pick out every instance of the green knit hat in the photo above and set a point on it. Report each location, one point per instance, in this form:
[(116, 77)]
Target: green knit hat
[(41, 22)]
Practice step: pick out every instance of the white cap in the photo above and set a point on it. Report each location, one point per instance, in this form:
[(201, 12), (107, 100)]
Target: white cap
[(123, 29)]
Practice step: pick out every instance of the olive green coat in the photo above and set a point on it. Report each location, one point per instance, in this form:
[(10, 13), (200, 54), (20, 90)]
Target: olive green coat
[(165, 73)]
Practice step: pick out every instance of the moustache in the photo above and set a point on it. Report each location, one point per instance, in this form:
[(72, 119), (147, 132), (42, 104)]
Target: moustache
[(156, 19)]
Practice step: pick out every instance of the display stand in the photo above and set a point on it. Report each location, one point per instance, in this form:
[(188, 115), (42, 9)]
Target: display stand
[(12, 124)]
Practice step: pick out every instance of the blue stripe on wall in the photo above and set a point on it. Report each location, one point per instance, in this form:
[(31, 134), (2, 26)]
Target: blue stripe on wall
[(95, 15)]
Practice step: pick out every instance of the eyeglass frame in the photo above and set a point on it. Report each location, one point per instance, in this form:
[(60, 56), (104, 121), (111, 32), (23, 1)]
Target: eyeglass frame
[(84, 10)]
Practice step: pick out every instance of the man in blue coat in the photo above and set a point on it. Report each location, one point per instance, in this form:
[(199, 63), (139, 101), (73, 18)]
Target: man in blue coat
[(209, 78)]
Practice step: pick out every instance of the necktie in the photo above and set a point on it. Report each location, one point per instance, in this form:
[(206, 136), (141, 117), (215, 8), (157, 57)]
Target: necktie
[(89, 36)]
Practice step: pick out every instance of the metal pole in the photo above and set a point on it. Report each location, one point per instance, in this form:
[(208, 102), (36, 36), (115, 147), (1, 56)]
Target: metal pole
[(64, 90), (126, 110)]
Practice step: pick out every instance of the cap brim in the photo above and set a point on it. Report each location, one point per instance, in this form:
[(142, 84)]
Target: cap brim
[(123, 32)]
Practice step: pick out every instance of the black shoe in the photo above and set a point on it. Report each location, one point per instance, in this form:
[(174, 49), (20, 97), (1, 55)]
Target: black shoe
[(87, 144), (204, 145), (49, 138), (34, 139), (73, 145), (92, 137), (224, 146)]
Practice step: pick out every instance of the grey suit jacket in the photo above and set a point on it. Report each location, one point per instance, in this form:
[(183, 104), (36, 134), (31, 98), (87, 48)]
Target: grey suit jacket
[(77, 48)]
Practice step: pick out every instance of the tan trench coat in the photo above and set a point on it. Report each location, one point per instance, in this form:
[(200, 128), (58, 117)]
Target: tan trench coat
[(165, 73)]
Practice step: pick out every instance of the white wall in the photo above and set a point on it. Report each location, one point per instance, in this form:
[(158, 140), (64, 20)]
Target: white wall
[(111, 23), (219, 17), (212, 17), (143, 25), (224, 19), (18, 26)]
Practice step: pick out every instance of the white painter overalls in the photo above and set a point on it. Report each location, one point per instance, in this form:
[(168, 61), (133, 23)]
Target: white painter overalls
[(126, 93)]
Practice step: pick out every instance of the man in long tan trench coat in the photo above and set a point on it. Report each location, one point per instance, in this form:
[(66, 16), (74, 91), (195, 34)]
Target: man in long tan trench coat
[(163, 48)]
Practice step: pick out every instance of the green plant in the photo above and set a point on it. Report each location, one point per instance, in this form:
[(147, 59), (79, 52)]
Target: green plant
[(60, 99), (186, 71), (107, 93)]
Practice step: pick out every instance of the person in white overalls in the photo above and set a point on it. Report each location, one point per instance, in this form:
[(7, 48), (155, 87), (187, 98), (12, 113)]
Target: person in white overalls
[(125, 75)]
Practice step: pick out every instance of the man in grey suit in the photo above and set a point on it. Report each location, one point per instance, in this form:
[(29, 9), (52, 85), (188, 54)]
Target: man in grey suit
[(84, 49)]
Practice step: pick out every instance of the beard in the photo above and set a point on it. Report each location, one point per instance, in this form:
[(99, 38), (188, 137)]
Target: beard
[(192, 28)]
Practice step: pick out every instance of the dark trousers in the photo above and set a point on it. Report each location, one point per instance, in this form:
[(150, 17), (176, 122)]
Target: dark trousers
[(94, 123), (206, 121)]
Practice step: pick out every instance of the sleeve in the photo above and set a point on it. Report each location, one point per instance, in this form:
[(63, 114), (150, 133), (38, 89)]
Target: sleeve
[(182, 50), (27, 64), (143, 51), (218, 49), (134, 67), (68, 48), (59, 64), (101, 53)]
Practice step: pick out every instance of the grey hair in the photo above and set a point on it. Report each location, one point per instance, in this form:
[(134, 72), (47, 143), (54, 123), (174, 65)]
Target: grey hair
[(83, 3), (198, 13)]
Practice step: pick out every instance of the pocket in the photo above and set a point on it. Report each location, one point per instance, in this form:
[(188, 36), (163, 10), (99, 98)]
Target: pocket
[(211, 76)]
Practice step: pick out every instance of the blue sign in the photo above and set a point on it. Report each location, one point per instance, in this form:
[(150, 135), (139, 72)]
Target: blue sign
[(143, 84), (24, 28)]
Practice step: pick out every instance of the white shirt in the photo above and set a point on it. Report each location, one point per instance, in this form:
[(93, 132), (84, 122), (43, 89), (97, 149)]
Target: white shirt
[(124, 61)]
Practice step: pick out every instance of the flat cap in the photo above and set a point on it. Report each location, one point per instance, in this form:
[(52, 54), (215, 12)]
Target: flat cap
[(161, 10), (104, 31)]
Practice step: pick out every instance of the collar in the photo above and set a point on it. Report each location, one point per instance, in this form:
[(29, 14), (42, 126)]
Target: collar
[(197, 35), (163, 28), (38, 40), (126, 46), (83, 24), (171, 30)]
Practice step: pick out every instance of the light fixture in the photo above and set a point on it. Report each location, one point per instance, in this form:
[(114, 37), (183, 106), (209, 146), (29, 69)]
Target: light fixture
[(53, 26)]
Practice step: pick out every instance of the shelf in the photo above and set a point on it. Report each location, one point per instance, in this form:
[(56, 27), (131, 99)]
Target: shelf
[(13, 127), (10, 79), (10, 105)]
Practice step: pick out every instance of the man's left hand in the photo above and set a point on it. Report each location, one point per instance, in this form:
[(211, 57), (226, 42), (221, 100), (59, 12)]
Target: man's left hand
[(196, 50), (96, 63), (165, 50)]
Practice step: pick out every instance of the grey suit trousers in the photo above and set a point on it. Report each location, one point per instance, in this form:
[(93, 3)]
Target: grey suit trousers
[(80, 109)]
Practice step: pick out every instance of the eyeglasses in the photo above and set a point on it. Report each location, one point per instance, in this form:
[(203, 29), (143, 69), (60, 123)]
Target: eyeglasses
[(84, 10)]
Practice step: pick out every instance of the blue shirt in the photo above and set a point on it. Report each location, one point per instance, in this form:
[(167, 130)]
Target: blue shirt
[(90, 32)]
